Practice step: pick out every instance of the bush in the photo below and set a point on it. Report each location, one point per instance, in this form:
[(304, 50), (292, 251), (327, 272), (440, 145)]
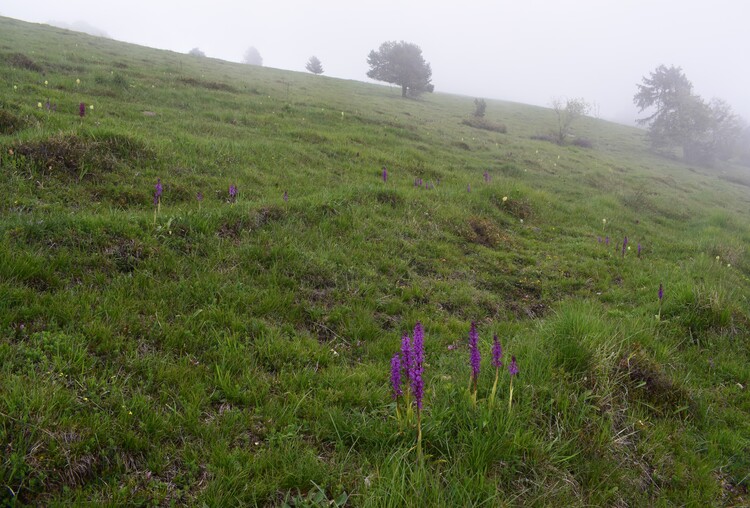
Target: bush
[(583, 143), (10, 123), (480, 106), (484, 124)]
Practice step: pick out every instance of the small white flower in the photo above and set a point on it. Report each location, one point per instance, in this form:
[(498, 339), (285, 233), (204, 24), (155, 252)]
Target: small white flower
[(15, 87), (78, 81)]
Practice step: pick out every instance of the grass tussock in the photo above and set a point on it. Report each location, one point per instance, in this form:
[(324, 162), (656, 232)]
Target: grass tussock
[(484, 124)]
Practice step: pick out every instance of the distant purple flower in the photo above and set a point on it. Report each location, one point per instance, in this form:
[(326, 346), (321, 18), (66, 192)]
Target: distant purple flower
[(639, 249), (606, 241), (385, 174), (452, 347), (661, 292), (396, 376), (474, 357), (158, 189), (513, 366), (486, 176), (624, 245), (233, 193), (82, 109), (599, 239), (286, 196), (417, 383), (199, 196), (468, 188), (407, 356), (497, 353)]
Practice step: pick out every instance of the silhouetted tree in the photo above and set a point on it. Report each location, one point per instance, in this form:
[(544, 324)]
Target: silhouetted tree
[(313, 65), (681, 119), (252, 57), (480, 106), (567, 113), (196, 52), (677, 112), (401, 63)]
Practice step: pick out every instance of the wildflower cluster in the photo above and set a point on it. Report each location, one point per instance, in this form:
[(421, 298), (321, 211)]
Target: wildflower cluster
[(475, 360), (407, 368)]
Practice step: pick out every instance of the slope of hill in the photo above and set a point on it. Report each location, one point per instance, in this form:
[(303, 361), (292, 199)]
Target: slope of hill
[(236, 351)]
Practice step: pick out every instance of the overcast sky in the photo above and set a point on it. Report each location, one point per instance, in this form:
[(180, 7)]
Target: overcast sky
[(520, 50)]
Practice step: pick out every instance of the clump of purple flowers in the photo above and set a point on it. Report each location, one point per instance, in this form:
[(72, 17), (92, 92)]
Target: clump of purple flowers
[(411, 362), (513, 370), (385, 174), (475, 359), (497, 362), (487, 177), (661, 295), (396, 376), (158, 189), (286, 196), (232, 193), (624, 246), (82, 110)]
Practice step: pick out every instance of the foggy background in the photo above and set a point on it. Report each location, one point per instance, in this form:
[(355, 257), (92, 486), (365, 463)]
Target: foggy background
[(523, 50)]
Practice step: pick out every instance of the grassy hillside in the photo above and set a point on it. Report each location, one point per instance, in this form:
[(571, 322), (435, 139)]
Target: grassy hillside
[(227, 352)]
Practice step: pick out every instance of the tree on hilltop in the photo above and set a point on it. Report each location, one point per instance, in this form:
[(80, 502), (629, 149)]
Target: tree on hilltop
[(314, 65), (401, 63), (681, 119), (196, 52), (252, 57)]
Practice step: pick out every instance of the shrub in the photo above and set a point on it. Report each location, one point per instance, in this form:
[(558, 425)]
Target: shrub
[(10, 123), (21, 61), (484, 124), (480, 106), (583, 143)]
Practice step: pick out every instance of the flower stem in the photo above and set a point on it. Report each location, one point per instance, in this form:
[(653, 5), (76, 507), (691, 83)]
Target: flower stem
[(510, 398), (494, 388)]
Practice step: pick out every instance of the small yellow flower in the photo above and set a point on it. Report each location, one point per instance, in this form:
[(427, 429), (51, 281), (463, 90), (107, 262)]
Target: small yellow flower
[(39, 104), (85, 399), (130, 413), (91, 107), (78, 81), (604, 221), (505, 198), (46, 82), (717, 258), (15, 87), (729, 265)]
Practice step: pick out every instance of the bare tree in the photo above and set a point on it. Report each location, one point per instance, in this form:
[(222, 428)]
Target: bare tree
[(567, 112)]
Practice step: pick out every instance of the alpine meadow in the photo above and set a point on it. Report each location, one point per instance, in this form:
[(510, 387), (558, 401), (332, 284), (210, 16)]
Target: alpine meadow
[(232, 285)]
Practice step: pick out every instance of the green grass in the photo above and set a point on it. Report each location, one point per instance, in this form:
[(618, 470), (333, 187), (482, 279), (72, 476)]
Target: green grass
[(238, 354)]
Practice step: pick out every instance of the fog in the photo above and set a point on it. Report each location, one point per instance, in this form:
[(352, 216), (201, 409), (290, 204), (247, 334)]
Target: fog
[(526, 51)]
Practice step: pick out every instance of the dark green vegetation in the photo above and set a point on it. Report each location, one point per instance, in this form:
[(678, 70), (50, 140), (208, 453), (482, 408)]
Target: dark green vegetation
[(238, 354)]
